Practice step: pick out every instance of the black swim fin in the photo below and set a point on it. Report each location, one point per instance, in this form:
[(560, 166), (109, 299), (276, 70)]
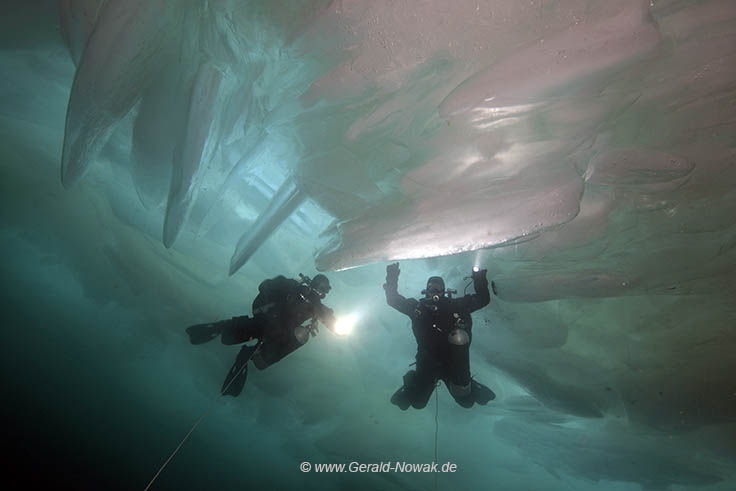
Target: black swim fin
[(202, 333), (481, 394), (235, 380)]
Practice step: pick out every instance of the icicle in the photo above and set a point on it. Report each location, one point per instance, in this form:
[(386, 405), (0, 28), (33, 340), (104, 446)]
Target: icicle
[(77, 19), (123, 53), (286, 199), (192, 155)]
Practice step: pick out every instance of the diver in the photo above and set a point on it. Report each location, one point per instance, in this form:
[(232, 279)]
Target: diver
[(280, 311), (442, 326)]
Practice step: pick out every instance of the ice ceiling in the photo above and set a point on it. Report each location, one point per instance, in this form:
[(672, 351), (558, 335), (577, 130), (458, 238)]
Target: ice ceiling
[(581, 150), (424, 129)]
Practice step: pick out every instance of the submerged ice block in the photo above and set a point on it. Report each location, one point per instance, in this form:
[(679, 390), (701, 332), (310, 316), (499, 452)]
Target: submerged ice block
[(580, 59)]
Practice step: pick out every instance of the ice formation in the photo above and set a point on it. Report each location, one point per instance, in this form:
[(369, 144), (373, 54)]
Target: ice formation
[(581, 150)]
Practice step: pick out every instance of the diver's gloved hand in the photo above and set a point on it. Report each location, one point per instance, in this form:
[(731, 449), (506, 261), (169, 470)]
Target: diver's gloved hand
[(480, 274), (314, 327), (392, 275), (392, 271)]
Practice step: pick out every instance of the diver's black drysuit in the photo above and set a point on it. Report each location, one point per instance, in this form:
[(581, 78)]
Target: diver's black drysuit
[(279, 310), (442, 327)]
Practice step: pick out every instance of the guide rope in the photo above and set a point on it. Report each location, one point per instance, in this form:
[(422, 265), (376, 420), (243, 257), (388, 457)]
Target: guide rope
[(204, 414), (436, 426)]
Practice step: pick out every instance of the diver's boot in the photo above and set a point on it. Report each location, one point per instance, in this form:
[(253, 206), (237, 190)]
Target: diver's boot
[(481, 394), (202, 333), (235, 380), (401, 399)]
